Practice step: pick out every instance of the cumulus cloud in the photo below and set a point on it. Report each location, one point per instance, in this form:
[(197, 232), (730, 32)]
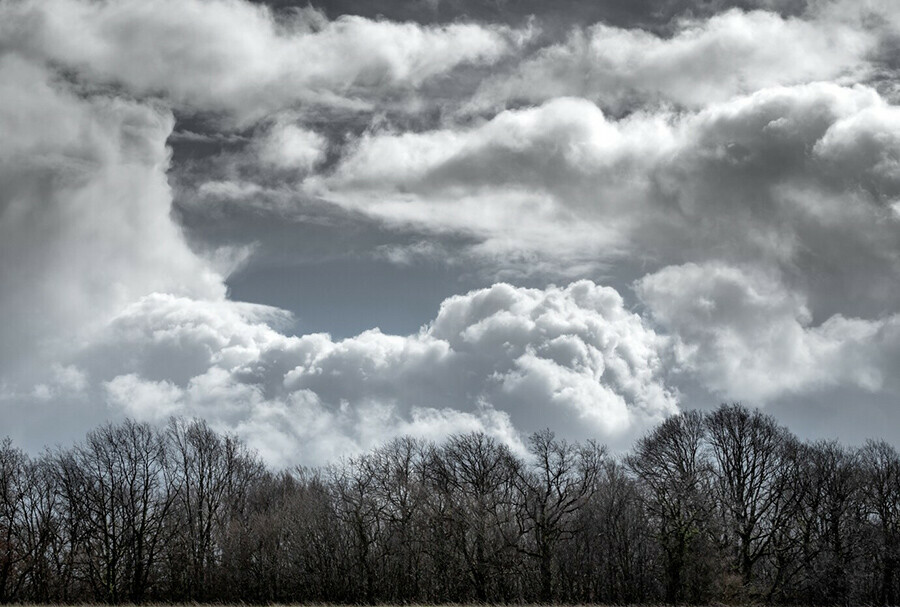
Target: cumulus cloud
[(761, 178), (288, 146), (64, 382), (524, 180), (236, 56), (84, 214), (85, 231), (502, 360), (754, 210), (705, 61), (780, 176), (746, 335)]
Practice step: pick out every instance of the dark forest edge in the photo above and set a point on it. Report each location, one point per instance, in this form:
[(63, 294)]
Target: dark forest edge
[(726, 506)]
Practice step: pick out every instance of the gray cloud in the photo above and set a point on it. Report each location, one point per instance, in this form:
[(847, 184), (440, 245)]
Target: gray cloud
[(749, 337), (85, 214), (238, 58), (778, 176), (738, 169), (503, 359), (560, 13), (705, 61)]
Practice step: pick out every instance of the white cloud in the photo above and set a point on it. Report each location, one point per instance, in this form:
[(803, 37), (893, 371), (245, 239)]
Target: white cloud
[(774, 211), (143, 399), (235, 56), (705, 61), (525, 180), (796, 185), (65, 382), (746, 336), (288, 146), (84, 215), (501, 359), (780, 176)]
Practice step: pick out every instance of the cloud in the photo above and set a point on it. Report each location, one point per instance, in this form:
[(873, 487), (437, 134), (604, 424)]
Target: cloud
[(747, 336), (772, 178), (84, 214), (64, 382), (289, 146), (525, 180), (800, 178), (755, 209), (85, 231), (708, 60), (235, 56), (503, 360), (143, 399), (646, 13), (797, 183)]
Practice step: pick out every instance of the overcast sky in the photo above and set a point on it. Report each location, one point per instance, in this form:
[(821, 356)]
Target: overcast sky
[(320, 226)]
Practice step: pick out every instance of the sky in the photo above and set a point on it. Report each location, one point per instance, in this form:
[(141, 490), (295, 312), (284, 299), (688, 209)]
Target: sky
[(322, 225)]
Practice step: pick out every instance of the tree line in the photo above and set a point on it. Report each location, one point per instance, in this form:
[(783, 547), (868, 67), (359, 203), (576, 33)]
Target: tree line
[(722, 506)]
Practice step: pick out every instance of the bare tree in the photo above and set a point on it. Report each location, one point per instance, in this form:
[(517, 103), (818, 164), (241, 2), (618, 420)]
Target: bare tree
[(751, 452), (364, 516), (211, 477), (880, 464), (555, 484), (13, 464), (312, 548), (675, 471), (118, 486), (724, 506), (45, 567), (476, 474), (611, 559), (840, 519), (399, 469)]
